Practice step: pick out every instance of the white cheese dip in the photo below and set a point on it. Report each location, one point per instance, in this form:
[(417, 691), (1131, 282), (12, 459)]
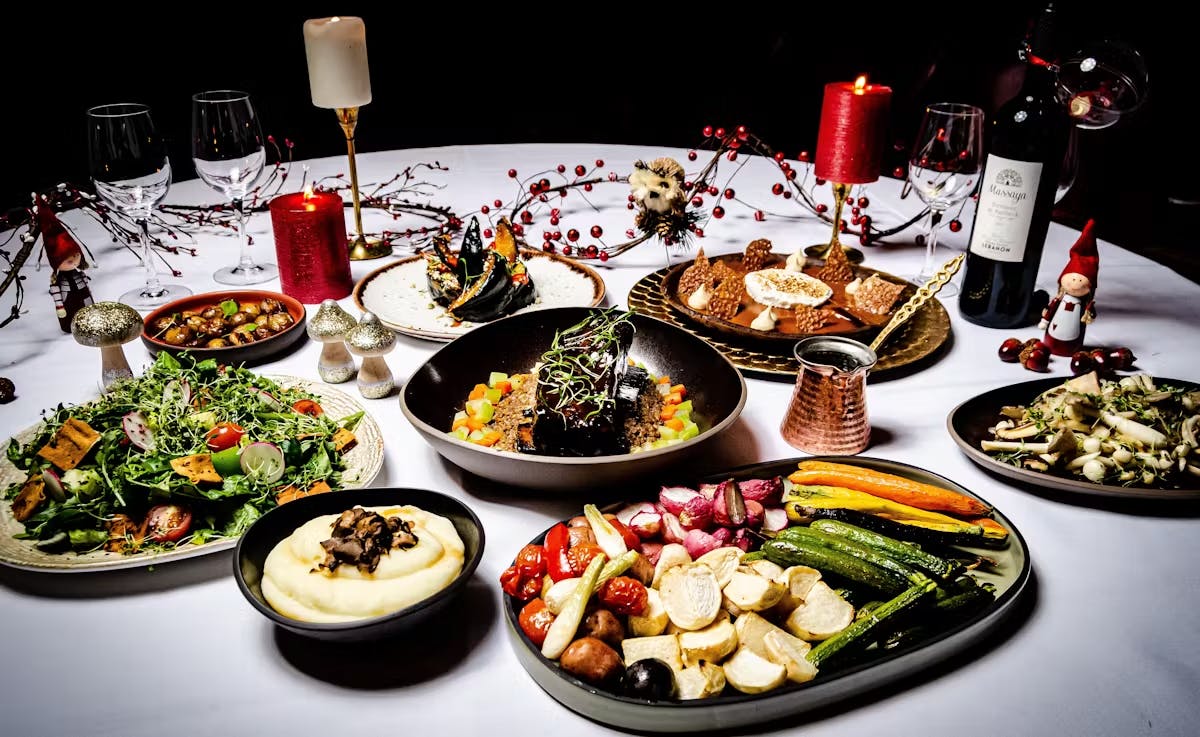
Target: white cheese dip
[(295, 587)]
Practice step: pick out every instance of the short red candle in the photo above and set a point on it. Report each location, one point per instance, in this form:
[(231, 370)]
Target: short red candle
[(311, 246), (853, 124)]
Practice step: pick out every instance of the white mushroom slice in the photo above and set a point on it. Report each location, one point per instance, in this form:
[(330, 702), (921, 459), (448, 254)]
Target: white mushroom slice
[(751, 673), (699, 299), (691, 596), (700, 683), (672, 555), (767, 569), (752, 592), (712, 643), (723, 562), (662, 647), (822, 615), (790, 652), (786, 289), (722, 616), (653, 621), (796, 580)]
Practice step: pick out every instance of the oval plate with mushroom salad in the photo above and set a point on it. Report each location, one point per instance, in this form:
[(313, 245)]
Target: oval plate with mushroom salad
[(243, 326)]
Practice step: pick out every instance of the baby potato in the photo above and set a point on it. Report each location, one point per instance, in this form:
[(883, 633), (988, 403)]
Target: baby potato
[(591, 660), (250, 308), (604, 625)]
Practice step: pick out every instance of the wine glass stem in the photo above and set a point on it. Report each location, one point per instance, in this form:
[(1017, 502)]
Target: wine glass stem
[(245, 260), (935, 218), (153, 288)]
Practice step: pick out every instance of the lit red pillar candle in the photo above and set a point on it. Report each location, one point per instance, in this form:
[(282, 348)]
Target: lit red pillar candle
[(853, 124), (311, 246)]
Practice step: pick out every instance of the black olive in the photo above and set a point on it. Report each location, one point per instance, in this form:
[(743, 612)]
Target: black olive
[(650, 679)]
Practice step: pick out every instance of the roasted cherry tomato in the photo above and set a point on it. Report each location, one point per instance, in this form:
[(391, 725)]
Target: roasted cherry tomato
[(514, 584), (581, 555), (535, 621), (624, 595), (531, 562), (224, 435), (167, 523), (308, 407), (632, 541)]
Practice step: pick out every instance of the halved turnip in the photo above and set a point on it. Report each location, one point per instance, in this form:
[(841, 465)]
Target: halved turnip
[(629, 512), (763, 491), (672, 531), (263, 460), (54, 485), (137, 429), (671, 555), (775, 520), (697, 514), (675, 498), (267, 399), (646, 525)]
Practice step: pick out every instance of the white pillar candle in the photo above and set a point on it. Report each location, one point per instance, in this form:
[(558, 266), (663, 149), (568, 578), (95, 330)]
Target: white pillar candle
[(337, 61)]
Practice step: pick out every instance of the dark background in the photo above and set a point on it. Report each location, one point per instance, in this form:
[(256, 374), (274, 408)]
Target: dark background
[(447, 73)]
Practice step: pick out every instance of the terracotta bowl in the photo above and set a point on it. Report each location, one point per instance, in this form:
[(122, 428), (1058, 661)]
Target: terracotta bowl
[(249, 354)]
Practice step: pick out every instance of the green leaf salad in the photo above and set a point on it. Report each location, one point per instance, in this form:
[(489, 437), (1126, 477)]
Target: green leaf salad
[(180, 411)]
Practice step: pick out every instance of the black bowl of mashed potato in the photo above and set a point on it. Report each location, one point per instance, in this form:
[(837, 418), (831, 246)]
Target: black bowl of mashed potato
[(358, 564)]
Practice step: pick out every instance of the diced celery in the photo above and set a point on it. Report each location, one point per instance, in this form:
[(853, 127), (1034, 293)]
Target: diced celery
[(667, 433), (690, 430), (481, 409), (475, 436), (684, 417), (496, 377), (460, 415), (493, 395), (516, 381), (461, 432), (685, 406)]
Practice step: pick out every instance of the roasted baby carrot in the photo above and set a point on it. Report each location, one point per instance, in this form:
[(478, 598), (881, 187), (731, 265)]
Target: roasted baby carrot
[(888, 486)]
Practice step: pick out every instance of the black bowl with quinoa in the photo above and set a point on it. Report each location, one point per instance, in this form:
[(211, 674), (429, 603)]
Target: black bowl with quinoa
[(514, 345)]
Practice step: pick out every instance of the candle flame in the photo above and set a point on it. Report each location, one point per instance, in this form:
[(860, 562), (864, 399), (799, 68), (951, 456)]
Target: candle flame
[(308, 195), (860, 84)]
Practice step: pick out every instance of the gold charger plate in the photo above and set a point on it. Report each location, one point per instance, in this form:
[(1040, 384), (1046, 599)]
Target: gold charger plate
[(363, 463), (918, 339)]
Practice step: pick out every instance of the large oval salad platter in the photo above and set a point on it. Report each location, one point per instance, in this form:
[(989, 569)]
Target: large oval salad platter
[(740, 698)]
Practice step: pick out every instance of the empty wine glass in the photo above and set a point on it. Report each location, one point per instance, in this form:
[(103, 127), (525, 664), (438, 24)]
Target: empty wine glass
[(1070, 166), (1102, 81), (228, 150), (944, 169), (130, 169)]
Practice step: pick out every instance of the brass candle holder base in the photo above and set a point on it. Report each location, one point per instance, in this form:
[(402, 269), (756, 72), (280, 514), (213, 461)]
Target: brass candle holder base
[(361, 247), (821, 250)]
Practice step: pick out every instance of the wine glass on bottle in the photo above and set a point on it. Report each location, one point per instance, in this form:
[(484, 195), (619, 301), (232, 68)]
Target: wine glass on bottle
[(229, 154), (944, 169), (131, 172)]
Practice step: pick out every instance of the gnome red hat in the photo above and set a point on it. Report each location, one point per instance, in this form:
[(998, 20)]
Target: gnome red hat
[(57, 240), (1085, 259)]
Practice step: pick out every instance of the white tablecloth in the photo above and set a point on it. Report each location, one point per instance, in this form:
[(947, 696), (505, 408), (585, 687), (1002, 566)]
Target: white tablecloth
[(1109, 646)]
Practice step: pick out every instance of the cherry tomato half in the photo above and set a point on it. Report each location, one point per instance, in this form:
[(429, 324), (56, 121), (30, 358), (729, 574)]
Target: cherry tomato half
[(531, 562), (167, 523), (624, 595), (582, 554), (308, 407), (521, 587), (224, 435), (535, 620)]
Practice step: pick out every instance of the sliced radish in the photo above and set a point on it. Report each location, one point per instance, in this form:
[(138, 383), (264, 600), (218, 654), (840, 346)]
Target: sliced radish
[(137, 429), (729, 508), (708, 491), (775, 520), (54, 485), (268, 399), (672, 531), (646, 525), (263, 460), (675, 498), (699, 542), (651, 551), (723, 536), (631, 511), (178, 393), (743, 539), (697, 514), (754, 514), (764, 491)]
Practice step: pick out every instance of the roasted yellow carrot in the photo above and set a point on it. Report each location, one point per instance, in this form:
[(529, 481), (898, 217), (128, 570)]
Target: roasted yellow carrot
[(889, 486)]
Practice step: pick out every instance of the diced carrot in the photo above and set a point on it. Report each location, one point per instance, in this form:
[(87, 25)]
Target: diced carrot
[(505, 387), (679, 389), (664, 379), (668, 411), (478, 392), (674, 423), (490, 438), (460, 422), (673, 398), (474, 423)]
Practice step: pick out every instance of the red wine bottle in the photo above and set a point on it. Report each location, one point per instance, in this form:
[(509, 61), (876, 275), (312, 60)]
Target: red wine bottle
[(1028, 138)]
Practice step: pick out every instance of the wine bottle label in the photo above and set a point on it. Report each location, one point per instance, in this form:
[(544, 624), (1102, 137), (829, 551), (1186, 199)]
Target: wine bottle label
[(1005, 208)]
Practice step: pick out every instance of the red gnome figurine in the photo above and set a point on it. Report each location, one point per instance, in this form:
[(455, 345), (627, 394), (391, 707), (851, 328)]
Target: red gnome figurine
[(1067, 316), (68, 283)]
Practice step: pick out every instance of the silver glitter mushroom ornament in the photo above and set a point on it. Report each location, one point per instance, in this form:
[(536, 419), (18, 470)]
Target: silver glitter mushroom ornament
[(372, 341), (108, 326), (329, 326)]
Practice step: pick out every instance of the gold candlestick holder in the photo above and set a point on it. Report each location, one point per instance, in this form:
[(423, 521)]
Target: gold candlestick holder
[(361, 247), (821, 250)]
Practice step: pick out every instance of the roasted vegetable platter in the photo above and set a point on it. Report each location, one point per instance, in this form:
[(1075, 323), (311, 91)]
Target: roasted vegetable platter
[(760, 593)]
